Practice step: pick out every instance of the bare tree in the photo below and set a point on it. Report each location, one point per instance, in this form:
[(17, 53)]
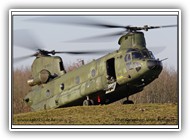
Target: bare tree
[(163, 90)]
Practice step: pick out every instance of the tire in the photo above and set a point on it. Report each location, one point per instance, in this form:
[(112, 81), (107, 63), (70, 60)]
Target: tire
[(128, 102), (86, 102)]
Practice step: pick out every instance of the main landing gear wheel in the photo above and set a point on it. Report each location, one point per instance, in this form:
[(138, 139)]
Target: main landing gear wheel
[(88, 102)]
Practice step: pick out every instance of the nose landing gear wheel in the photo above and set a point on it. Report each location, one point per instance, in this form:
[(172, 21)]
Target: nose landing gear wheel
[(128, 102)]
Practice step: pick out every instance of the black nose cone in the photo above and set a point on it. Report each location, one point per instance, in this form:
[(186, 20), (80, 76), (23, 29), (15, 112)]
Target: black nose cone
[(154, 64)]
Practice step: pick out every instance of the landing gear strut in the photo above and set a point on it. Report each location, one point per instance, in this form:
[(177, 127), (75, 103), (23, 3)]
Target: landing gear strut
[(128, 101), (88, 102)]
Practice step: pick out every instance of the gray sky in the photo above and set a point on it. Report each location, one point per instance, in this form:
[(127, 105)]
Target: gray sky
[(55, 36)]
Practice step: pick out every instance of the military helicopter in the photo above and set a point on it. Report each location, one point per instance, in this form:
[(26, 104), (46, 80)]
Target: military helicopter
[(112, 77)]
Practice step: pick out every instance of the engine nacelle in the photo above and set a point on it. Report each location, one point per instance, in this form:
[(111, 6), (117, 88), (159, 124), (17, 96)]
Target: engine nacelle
[(42, 78)]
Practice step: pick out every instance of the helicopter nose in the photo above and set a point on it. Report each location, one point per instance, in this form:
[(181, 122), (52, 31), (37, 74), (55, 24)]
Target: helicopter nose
[(154, 64)]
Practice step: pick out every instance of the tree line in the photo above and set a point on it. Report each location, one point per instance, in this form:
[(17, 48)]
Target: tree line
[(163, 90)]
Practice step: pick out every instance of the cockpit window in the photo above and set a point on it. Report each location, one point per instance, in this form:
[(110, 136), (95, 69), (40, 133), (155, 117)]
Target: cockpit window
[(148, 54), (139, 55), (128, 57), (151, 55), (145, 54), (136, 55)]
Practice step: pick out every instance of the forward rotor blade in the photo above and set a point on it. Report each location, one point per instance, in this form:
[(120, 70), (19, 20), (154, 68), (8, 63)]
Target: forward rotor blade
[(168, 26), (86, 21), (157, 50), (75, 20), (156, 27), (100, 38), (24, 39)]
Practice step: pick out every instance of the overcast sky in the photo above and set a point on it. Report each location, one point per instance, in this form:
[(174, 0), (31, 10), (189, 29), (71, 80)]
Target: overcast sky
[(54, 36)]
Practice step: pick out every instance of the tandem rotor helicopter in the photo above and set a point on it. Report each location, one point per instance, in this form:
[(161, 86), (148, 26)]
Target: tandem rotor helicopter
[(112, 77)]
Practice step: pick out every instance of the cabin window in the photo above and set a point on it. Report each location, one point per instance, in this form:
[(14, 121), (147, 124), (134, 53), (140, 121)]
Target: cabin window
[(62, 86), (77, 80), (93, 72), (48, 93)]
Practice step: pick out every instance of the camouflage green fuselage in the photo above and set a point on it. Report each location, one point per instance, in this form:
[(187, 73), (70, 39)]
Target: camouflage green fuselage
[(129, 69)]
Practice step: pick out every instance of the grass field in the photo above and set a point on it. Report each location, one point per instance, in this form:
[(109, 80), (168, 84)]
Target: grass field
[(105, 114)]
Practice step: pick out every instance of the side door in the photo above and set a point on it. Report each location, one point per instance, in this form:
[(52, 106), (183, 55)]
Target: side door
[(110, 69)]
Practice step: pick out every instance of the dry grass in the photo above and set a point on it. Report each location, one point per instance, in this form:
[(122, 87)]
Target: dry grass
[(106, 114)]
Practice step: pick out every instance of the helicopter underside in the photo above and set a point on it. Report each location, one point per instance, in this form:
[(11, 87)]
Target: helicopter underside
[(121, 91)]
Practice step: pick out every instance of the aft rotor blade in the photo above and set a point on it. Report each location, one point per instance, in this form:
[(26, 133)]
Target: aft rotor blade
[(25, 39), (18, 59), (75, 20)]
